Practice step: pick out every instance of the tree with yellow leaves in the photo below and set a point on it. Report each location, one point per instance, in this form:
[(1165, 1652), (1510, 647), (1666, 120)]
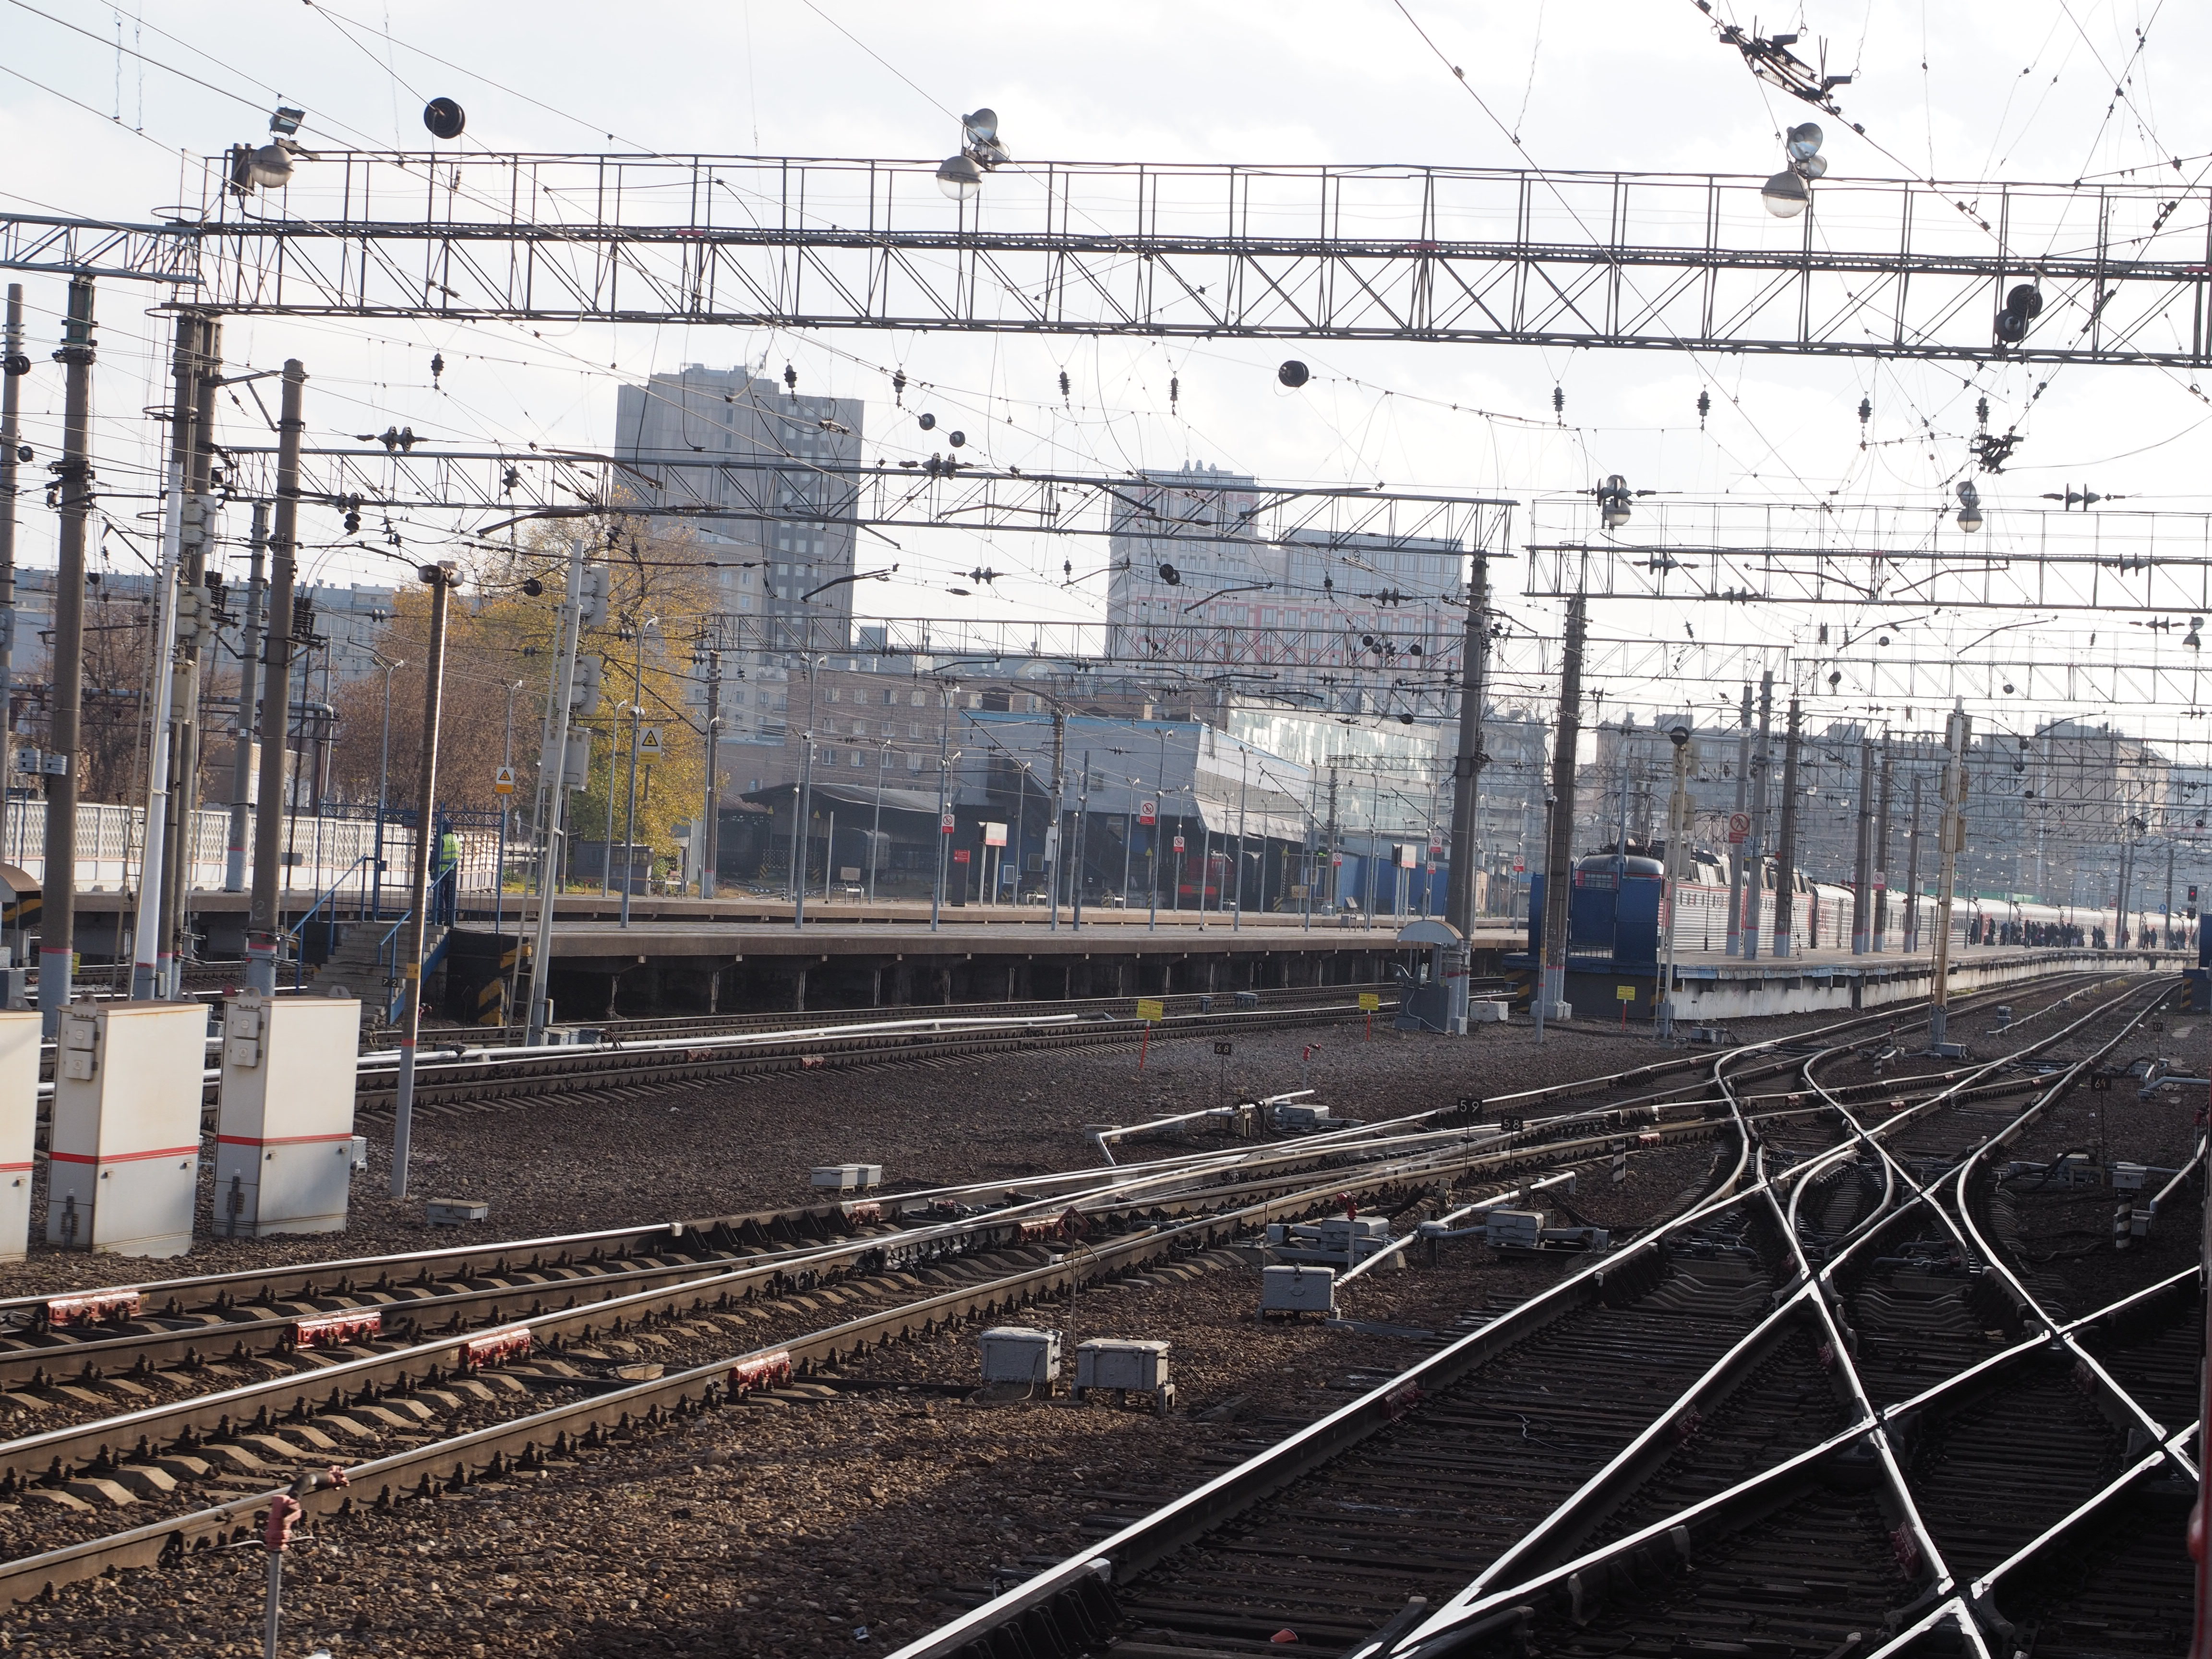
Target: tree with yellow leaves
[(502, 648)]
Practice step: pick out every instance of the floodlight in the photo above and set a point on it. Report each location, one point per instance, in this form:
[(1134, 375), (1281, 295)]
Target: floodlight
[(1803, 142)]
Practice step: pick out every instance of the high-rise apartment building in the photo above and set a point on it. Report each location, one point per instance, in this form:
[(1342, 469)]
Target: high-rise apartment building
[(769, 472)]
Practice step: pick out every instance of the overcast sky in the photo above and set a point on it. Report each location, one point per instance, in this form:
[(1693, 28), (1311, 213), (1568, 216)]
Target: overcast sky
[(1964, 90)]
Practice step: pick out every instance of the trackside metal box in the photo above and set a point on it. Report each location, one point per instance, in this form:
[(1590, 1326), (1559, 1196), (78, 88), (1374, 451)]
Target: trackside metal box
[(848, 1177), (1297, 1290), (283, 1152), (1104, 1363), (126, 1134), (19, 1116), (1016, 1353)]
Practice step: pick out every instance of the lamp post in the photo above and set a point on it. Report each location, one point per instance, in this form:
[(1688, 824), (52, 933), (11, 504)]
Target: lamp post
[(383, 779), (636, 723), (1678, 830)]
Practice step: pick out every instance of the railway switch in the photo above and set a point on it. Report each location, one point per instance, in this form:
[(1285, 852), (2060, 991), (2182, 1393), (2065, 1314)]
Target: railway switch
[(284, 1139), (126, 1127), (19, 1113)]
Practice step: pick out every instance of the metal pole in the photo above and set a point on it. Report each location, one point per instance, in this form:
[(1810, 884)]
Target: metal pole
[(802, 805), (1052, 837), (184, 373), (440, 582), (1881, 850), (1678, 830), (1243, 797), (1735, 848), (1755, 879), (266, 920), (1558, 859), (943, 835), (15, 364), (193, 647), (58, 924), (553, 778), (1913, 873), (1785, 896), (499, 864), (710, 830), (249, 662), (1862, 856), (636, 723), (1160, 822), (1082, 829), (1951, 838), (383, 791), (876, 824)]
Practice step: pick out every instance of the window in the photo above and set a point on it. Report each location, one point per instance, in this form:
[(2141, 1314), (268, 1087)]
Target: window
[(917, 699), (890, 696), (914, 762), (833, 694), (914, 730)]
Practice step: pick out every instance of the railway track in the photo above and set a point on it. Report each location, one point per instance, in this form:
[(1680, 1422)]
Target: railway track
[(1784, 1352), (601, 1310)]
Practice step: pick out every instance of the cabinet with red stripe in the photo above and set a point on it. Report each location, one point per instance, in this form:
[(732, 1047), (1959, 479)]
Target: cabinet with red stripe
[(283, 1154), (126, 1135), (19, 1122)]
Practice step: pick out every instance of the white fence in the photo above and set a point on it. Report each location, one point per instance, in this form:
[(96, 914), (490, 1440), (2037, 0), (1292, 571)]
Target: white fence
[(329, 851)]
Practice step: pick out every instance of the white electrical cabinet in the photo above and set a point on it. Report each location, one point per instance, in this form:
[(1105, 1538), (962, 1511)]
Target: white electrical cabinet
[(126, 1134), (284, 1141), (1018, 1353), (1104, 1363), (19, 1119)]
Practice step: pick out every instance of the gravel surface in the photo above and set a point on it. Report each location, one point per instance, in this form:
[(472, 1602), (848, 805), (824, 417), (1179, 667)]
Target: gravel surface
[(571, 1163), (785, 1526)]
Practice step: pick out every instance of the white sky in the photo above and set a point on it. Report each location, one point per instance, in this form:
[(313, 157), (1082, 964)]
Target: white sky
[(2018, 90)]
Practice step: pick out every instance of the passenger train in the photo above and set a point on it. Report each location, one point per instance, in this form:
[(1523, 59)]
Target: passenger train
[(1820, 913)]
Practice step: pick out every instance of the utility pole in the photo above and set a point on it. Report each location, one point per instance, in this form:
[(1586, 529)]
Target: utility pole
[(249, 661), (553, 781), (195, 637), (1467, 761), (184, 373), (943, 816), (1558, 858), (15, 364), (1678, 831), (1863, 852), (1082, 835), (441, 580), (1785, 889), (1881, 850), (1736, 849), (1755, 883), (2167, 926), (801, 808), (73, 473), (265, 917), (1332, 841), (709, 836), (1951, 840), (636, 723), (1052, 858), (1913, 873)]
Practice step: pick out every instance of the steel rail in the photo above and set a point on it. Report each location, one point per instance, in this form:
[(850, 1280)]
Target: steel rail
[(458, 1459), (1434, 1635)]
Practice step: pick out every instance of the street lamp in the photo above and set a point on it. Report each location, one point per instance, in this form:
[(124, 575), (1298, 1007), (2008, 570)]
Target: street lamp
[(268, 167), (1970, 507)]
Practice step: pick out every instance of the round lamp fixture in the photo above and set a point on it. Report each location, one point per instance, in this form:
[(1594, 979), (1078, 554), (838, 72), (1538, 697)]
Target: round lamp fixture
[(959, 178), (1784, 195)]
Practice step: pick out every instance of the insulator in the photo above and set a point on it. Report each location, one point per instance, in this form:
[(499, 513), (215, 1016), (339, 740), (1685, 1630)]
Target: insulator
[(790, 378), (1558, 401), (1704, 406), (898, 386), (1866, 411)]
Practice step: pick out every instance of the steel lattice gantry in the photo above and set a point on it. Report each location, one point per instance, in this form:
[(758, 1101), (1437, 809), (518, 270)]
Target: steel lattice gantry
[(1875, 267), (1864, 554)]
